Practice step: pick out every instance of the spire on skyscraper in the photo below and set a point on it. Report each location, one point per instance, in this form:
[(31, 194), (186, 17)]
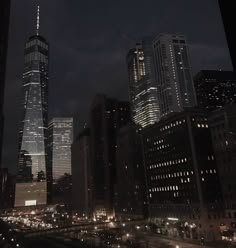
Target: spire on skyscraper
[(38, 20)]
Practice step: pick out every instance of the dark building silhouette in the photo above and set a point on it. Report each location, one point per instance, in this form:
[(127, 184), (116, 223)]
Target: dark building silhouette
[(107, 116), (62, 191), (228, 16), (7, 189), (182, 177), (215, 89), (82, 174), (223, 131), (4, 26), (130, 196)]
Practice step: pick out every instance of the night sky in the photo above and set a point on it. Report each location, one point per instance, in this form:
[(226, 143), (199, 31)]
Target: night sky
[(88, 45)]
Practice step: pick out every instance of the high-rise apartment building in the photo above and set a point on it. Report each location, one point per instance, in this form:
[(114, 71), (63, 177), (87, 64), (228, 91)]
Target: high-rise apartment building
[(82, 173), (228, 16), (142, 85), (107, 116), (223, 131), (182, 177), (60, 138), (173, 72), (4, 25), (31, 188), (215, 89)]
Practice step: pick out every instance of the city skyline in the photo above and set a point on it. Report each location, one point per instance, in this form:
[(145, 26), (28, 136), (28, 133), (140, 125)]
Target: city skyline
[(130, 140), (103, 48)]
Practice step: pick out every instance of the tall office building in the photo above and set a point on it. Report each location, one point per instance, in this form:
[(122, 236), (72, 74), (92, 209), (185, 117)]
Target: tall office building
[(82, 173), (182, 176), (4, 25), (228, 16), (60, 138), (31, 188), (142, 85), (215, 89), (130, 190), (107, 116), (223, 130), (173, 71)]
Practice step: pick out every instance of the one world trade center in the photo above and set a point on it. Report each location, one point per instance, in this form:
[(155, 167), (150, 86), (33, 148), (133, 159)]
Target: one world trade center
[(31, 186)]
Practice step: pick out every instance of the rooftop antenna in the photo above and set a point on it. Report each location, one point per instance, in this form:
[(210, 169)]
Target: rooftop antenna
[(38, 20)]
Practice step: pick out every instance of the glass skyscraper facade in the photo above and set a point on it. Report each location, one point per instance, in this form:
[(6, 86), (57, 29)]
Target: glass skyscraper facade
[(31, 187), (173, 71), (142, 85), (60, 135)]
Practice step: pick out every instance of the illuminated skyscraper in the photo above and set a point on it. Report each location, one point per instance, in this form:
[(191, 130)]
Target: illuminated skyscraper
[(60, 135), (32, 189), (142, 86), (174, 76)]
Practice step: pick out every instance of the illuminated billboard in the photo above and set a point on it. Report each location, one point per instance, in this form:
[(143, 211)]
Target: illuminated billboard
[(31, 203)]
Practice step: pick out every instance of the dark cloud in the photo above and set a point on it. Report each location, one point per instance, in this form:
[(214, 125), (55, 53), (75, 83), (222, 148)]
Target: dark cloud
[(88, 44)]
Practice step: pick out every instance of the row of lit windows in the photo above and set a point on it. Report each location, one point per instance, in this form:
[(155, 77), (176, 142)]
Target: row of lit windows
[(210, 157), (162, 189), (176, 123), (158, 148), (172, 175), (158, 142), (209, 171), (171, 162), (202, 125)]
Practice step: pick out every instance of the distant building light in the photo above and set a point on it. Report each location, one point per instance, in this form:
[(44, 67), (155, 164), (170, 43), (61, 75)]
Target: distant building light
[(174, 219)]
